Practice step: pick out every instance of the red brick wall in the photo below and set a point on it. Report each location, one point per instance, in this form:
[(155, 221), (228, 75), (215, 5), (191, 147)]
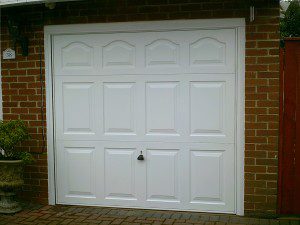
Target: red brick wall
[(21, 82)]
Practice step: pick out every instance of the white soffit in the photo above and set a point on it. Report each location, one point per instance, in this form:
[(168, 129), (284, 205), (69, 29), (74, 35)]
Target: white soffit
[(8, 3)]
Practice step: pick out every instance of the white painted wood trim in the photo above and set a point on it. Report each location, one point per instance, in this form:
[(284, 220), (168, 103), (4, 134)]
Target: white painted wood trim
[(49, 118), (10, 3), (240, 121), (238, 23), (165, 25)]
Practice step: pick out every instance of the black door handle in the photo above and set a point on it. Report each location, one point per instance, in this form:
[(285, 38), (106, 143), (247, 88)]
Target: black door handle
[(141, 157)]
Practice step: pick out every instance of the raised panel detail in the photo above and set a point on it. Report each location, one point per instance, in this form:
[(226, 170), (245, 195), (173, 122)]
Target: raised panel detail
[(206, 176), (119, 108), (206, 107), (207, 51), (162, 175), (77, 54), (80, 171), (162, 53), (162, 107), (119, 54), (78, 108), (120, 174)]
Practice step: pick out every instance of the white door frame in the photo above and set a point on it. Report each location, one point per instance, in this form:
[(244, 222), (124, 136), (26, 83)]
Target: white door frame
[(238, 24)]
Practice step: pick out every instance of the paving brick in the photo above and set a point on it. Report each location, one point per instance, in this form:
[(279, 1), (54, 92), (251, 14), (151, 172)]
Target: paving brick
[(204, 217), (182, 223), (130, 219), (214, 218), (143, 221), (166, 216), (157, 223), (169, 221), (117, 221), (199, 223), (209, 223), (126, 223), (176, 216), (67, 221), (98, 215), (224, 218), (105, 222)]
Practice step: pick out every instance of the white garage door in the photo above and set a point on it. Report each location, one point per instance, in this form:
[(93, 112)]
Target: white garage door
[(167, 95)]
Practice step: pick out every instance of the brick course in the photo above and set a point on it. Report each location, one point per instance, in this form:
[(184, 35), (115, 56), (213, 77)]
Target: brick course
[(21, 80)]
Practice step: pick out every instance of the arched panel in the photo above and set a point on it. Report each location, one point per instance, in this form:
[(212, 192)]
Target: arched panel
[(118, 54), (207, 51), (77, 54), (162, 53)]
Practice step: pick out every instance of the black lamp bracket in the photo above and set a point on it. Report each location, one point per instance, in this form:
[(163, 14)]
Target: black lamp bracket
[(15, 28)]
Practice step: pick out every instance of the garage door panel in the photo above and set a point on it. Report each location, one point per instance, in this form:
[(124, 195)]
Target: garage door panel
[(212, 51), (146, 108), (169, 95), (80, 171), (162, 175), (207, 51), (75, 55), (78, 108), (76, 172), (207, 101), (119, 108), (162, 100), (206, 185), (202, 51), (212, 172), (211, 109), (120, 179), (162, 53), (118, 55)]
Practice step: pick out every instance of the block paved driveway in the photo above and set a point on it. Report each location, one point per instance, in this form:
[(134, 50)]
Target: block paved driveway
[(98, 215)]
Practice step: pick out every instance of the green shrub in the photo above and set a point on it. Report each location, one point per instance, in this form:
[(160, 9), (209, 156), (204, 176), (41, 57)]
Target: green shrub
[(12, 133), (290, 23)]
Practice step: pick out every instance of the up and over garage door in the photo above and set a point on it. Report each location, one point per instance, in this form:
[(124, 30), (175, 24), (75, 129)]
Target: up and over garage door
[(168, 95)]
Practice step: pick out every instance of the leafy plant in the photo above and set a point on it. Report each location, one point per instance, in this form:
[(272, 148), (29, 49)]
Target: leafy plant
[(12, 133), (290, 23)]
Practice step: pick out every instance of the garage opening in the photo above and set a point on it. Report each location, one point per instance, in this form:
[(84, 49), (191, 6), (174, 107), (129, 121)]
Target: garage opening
[(148, 114)]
